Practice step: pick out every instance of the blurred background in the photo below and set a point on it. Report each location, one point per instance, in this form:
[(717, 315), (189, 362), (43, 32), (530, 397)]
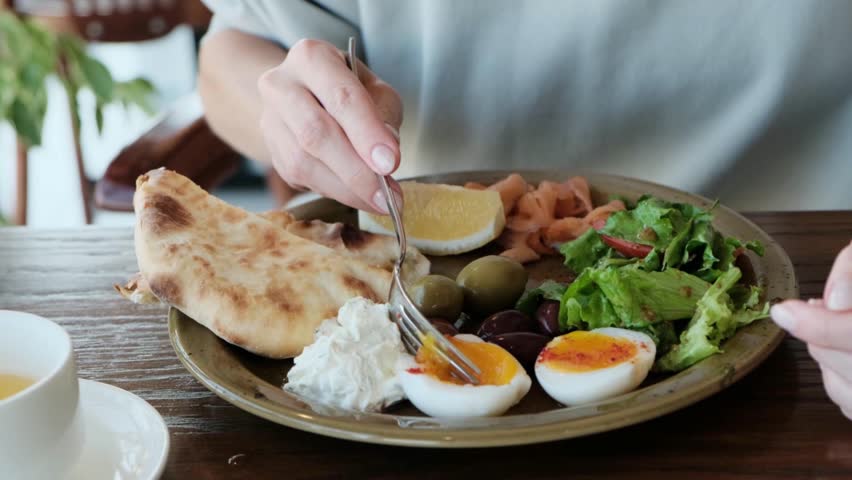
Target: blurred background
[(153, 39), (130, 66)]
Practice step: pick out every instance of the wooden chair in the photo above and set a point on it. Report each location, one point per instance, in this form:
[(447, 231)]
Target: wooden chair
[(103, 21), (181, 141)]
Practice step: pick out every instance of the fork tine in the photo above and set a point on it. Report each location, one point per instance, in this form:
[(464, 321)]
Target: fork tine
[(463, 368), (409, 347), (409, 334), (420, 323), (411, 329), (413, 326), (410, 338)]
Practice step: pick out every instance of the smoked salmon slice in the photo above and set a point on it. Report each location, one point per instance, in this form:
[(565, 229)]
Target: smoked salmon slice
[(510, 189), (540, 218)]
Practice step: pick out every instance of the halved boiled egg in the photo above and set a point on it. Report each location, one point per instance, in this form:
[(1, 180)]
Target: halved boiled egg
[(429, 384), (582, 367)]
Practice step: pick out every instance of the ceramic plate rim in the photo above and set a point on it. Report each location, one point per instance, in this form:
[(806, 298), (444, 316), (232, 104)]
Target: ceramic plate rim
[(391, 434)]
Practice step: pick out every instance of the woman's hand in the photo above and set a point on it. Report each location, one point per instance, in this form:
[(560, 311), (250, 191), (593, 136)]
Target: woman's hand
[(826, 326), (327, 130)]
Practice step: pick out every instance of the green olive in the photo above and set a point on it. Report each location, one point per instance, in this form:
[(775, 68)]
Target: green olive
[(437, 296), (491, 284)]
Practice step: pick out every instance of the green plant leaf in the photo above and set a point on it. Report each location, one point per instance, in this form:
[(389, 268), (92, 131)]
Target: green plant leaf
[(135, 92), (99, 117), (32, 76), (40, 105), (15, 37), (98, 77), (43, 45), (26, 123), (29, 53), (8, 86)]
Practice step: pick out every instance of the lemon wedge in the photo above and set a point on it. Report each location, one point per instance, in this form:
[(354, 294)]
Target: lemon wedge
[(443, 219)]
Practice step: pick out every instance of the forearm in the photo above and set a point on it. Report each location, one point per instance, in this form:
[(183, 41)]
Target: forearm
[(230, 62)]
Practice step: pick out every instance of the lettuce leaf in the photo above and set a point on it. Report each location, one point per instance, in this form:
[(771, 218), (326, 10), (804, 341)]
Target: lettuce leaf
[(629, 297), (650, 263), (653, 222), (756, 247), (584, 306), (684, 294), (682, 235), (745, 296), (584, 251), (674, 252), (716, 319), (693, 244), (663, 334), (641, 298)]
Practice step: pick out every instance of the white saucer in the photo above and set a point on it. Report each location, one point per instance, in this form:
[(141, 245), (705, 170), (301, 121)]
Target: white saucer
[(124, 436)]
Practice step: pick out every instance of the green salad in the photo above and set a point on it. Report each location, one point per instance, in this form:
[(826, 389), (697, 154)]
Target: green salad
[(660, 268)]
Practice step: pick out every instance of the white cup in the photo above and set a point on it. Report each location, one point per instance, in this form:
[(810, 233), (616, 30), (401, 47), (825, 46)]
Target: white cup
[(40, 432)]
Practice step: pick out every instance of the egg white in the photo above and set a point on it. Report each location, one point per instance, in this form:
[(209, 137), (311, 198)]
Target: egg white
[(437, 398), (576, 388)]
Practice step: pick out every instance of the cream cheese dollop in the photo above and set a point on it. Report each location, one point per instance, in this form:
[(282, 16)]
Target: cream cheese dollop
[(352, 363)]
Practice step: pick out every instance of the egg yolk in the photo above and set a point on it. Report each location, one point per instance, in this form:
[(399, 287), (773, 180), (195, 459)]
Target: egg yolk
[(585, 351), (498, 367)]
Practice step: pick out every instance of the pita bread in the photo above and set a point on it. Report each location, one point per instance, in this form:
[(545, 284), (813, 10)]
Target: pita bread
[(137, 290), (250, 279), (376, 250)]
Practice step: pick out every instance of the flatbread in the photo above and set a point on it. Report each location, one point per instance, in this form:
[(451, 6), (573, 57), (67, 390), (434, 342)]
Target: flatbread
[(137, 290), (376, 250), (246, 277)]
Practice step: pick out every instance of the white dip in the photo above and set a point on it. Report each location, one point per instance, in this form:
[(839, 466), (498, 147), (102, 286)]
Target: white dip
[(352, 362)]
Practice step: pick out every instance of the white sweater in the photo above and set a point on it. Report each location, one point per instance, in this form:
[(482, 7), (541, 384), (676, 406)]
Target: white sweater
[(746, 101)]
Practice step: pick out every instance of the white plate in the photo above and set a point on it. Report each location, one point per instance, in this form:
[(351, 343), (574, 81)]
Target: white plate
[(125, 437)]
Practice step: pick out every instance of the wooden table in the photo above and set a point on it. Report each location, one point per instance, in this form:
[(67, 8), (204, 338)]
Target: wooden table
[(776, 423)]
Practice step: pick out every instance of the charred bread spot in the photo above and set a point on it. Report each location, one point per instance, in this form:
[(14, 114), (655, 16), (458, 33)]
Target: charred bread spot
[(360, 288), (248, 259), (167, 289), (284, 298), (353, 238), (280, 218), (162, 213), (297, 265), (237, 295), (269, 239), (234, 215), (203, 262)]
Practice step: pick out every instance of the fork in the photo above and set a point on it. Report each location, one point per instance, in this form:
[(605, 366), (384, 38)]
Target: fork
[(413, 326)]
